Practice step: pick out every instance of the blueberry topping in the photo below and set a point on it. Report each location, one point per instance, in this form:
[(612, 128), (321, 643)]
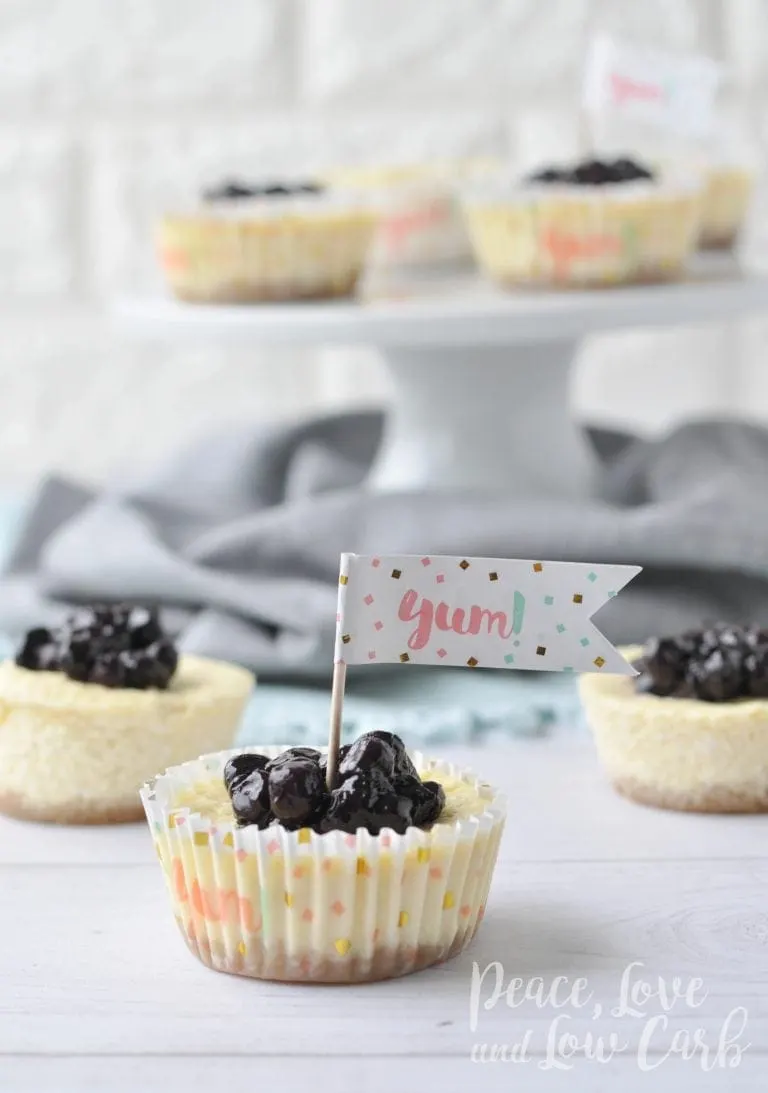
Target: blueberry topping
[(115, 645), (367, 753), (296, 790), (594, 172), (250, 799), (378, 788), (719, 663), (367, 799), (237, 769), (234, 190)]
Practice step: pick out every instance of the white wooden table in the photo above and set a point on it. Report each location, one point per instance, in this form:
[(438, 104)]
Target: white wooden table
[(97, 990)]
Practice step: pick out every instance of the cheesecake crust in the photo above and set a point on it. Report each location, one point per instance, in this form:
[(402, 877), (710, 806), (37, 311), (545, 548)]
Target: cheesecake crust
[(719, 800)]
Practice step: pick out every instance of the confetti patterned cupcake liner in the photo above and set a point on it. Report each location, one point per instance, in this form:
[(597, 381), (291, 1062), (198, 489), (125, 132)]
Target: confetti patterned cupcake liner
[(297, 906), (211, 257), (566, 237)]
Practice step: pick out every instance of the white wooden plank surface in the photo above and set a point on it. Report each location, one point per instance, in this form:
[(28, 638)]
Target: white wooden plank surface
[(92, 968), (371, 1075)]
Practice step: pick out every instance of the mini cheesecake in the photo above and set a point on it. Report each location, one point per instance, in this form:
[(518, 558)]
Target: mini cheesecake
[(90, 710), (273, 875), (593, 224), (246, 243), (690, 732)]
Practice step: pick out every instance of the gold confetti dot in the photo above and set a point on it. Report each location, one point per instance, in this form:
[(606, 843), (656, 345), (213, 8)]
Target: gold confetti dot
[(448, 901), (493, 576), (342, 946), (537, 567), (343, 579), (541, 650), (229, 839), (201, 838), (402, 919), (397, 574), (288, 899), (241, 948), (578, 598), (362, 867), (599, 662), (464, 564), (404, 658), (305, 835), (346, 639), (423, 854), (472, 663)]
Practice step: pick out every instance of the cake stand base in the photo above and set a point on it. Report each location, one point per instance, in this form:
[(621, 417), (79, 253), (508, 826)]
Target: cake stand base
[(489, 418)]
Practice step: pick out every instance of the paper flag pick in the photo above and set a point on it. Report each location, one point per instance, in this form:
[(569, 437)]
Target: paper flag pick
[(673, 93), (477, 612)]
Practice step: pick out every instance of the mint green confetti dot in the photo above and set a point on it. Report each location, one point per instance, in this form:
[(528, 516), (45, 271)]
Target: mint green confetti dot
[(509, 658), (560, 628), (611, 594), (567, 668), (549, 600), (585, 641), (592, 577)]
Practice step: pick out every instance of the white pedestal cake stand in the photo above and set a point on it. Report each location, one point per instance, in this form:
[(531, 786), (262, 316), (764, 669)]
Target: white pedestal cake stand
[(481, 377)]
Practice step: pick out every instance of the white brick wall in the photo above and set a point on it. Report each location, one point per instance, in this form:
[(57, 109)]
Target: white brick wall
[(109, 109)]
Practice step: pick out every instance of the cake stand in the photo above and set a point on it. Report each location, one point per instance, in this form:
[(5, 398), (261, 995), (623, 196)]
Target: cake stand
[(480, 377)]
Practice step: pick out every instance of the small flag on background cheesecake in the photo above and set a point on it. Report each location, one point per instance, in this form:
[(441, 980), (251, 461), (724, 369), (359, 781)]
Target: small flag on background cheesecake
[(477, 613)]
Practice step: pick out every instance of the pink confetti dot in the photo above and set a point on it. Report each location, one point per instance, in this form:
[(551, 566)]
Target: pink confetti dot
[(440, 578), (241, 855), (371, 654), (368, 599), (338, 908), (273, 846), (350, 840), (379, 624), (306, 914), (426, 561), (375, 562), (338, 618), (442, 652)]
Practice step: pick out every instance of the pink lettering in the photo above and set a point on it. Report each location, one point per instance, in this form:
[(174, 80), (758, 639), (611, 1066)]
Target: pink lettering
[(624, 88), (446, 618), (493, 618), (408, 612)]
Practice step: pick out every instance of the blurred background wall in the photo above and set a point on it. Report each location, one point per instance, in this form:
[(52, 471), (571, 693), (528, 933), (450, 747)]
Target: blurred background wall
[(108, 109)]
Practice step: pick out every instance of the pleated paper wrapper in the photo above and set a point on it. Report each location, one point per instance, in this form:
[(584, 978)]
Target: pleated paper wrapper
[(578, 236), (297, 906)]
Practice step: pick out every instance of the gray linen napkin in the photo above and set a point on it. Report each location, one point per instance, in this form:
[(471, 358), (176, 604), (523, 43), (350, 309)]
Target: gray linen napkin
[(238, 538)]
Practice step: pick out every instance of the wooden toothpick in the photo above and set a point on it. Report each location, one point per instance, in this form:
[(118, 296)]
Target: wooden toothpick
[(334, 731)]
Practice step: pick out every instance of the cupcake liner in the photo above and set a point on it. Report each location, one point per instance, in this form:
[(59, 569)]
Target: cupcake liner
[(297, 906), (252, 249), (582, 237), (420, 218)]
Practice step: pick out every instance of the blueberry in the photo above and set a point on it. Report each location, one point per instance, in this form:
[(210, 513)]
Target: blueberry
[(296, 791), (368, 752), (367, 799), (143, 627), (403, 764), (240, 766), (290, 755), (35, 642), (427, 799), (663, 666), (719, 677), (107, 670), (756, 671), (250, 799)]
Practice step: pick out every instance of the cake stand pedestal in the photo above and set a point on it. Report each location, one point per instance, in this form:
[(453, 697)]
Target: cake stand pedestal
[(481, 378)]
